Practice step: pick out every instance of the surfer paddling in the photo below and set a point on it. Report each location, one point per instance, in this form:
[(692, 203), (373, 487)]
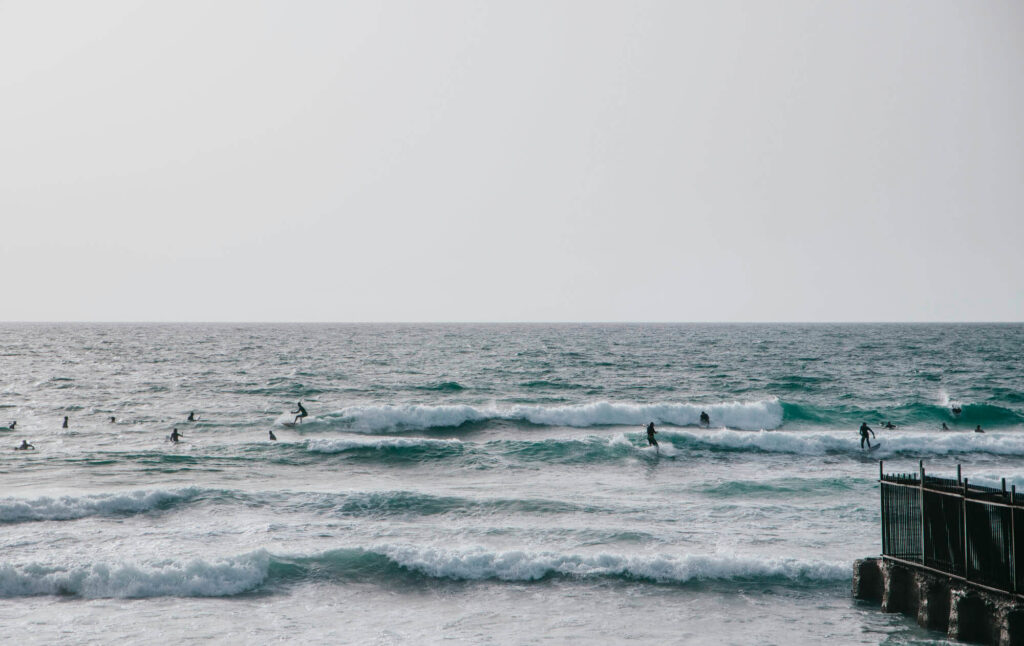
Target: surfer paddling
[(25, 446), (300, 413), (864, 430), (650, 437)]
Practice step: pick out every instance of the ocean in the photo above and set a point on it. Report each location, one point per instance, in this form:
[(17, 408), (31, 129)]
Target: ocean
[(476, 484)]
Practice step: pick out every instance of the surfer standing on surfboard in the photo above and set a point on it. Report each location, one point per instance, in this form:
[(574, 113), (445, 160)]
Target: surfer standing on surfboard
[(864, 430), (301, 413), (650, 437)]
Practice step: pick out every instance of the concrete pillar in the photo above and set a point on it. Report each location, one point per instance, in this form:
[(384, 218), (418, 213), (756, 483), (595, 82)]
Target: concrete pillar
[(971, 618), (867, 580), (933, 602), (1011, 628), (896, 586)]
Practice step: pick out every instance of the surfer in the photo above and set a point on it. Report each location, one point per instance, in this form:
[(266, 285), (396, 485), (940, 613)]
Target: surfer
[(704, 419), (299, 414), (979, 429), (25, 446), (889, 425), (65, 422), (113, 419), (13, 424), (192, 416), (272, 436), (864, 430), (956, 410), (174, 436), (944, 427), (650, 437)]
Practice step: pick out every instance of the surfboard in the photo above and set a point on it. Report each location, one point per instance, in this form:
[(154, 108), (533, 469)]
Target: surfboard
[(875, 446), (288, 424)]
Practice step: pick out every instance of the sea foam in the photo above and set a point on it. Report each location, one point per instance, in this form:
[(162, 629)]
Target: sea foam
[(15, 510), (763, 414), (480, 563), (196, 578)]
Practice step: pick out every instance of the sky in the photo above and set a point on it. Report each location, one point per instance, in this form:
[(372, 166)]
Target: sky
[(471, 160)]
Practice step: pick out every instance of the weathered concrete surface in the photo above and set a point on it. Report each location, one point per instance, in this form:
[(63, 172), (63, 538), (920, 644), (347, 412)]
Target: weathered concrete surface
[(941, 603)]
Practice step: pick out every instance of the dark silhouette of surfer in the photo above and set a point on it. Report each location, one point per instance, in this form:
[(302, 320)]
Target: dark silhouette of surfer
[(888, 425), (301, 412), (65, 422), (956, 410), (650, 437), (705, 420), (944, 427), (864, 430), (192, 416), (175, 435), (13, 424), (25, 446), (979, 429), (272, 436), (113, 419)]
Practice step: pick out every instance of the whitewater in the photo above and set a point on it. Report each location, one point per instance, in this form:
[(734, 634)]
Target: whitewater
[(476, 484)]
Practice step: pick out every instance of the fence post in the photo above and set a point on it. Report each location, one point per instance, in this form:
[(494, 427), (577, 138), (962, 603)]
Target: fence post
[(963, 512), (959, 480), (1013, 537), (920, 466)]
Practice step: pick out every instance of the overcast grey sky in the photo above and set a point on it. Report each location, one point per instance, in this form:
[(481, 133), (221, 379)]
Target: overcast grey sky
[(512, 161)]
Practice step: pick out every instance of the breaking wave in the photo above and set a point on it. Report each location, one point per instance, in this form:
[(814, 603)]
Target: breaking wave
[(15, 510), (764, 414), (396, 563)]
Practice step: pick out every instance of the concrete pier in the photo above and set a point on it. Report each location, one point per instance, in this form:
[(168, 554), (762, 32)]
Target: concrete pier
[(962, 611)]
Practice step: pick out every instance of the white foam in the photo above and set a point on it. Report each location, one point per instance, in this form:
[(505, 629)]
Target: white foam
[(820, 443), (340, 445), (14, 510), (479, 563), (195, 578), (764, 414)]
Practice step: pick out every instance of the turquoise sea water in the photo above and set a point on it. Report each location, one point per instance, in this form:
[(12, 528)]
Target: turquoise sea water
[(476, 483)]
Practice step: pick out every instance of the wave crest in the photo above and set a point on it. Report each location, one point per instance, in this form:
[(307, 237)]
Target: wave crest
[(764, 414)]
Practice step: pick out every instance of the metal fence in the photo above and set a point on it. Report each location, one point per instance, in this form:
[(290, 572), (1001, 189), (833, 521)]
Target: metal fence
[(953, 527)]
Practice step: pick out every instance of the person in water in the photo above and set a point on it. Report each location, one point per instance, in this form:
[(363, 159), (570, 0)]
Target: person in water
[(175, 435), (889, 425), (650, 437), (979, 429), (704, 419), (25, 446), (13, 424), (864, 430), (956, 410), (944, 427), (113, 419), (65, 422), (272, 436), (192, 416), (300, 413)]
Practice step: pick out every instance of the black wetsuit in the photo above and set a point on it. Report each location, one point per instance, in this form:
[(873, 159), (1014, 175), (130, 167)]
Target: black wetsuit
[(191, 417), (272, 436), (864, 430), (175, 435), (301, 413), (650, 435), (704, 419)]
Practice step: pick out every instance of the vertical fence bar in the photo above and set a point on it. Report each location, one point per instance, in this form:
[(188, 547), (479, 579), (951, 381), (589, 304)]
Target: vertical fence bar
[(920, 503), (1013, 535), (967, 549)]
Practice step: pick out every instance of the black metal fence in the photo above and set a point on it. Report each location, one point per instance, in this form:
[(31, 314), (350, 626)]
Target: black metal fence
[(948, 525)]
